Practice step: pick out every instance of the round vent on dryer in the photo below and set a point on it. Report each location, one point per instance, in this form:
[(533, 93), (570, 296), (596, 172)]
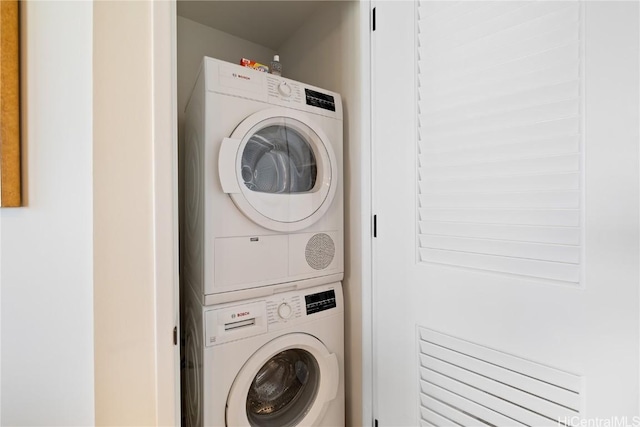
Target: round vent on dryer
[(320, 251)]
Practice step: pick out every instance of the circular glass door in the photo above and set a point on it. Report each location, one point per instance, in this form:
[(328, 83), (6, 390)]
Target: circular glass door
[(288, 382), (283, 169), (283, 390), (277, 159)]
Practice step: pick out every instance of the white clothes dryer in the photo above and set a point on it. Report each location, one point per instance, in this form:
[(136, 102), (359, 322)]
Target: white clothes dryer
[(272, 361), (263, 192)]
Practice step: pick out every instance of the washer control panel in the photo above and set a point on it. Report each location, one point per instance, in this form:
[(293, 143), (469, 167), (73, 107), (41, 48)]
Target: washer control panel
[(240, 320), (320, 301), (234, 322), (284, 309)]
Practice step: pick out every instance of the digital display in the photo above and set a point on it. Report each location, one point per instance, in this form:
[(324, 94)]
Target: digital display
[(320, 301), (320, 100)]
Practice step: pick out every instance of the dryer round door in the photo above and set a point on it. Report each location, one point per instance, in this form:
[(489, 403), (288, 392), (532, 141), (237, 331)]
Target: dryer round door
[(290, 381), (279, 168)]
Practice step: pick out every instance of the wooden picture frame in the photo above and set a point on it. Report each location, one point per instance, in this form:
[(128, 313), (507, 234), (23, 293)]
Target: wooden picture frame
[(10, 171)]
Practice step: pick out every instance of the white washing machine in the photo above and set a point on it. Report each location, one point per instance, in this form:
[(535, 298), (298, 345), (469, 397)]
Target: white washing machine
[(271, 361), (262, 184)]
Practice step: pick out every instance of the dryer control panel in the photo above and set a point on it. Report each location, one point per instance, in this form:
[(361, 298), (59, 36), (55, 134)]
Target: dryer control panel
[(320, 100), (235, 80), (284, 90)]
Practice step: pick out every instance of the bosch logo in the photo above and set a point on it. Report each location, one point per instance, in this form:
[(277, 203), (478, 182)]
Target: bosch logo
[(240, 76), (242, 314)]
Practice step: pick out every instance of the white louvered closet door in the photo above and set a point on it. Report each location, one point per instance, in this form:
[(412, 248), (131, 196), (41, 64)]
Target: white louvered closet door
[(506, 190)]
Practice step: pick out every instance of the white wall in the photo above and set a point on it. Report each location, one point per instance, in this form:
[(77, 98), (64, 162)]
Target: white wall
[(325, 52), (79, 264), (196, 41), (46, 273)]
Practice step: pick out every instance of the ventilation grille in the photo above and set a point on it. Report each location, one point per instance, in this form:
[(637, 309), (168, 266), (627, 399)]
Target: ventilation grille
[(499, 139), (466, 384), (320, 251)]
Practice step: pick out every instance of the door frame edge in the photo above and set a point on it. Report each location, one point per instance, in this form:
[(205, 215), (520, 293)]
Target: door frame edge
[(368, 410), (165, 208)]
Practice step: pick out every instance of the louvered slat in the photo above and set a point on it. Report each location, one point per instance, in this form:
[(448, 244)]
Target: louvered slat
[(424, 423), (468, 406), (549, 375), (512, 394), (435, 418), (535, 251), (475, 385), (500, 406), (548, 217), (553, 181), (565, 144), (529, 165), (519, 233), (525, 199), (497, 373), (449, 412), (502, 264), (463, 138), (500, 163)]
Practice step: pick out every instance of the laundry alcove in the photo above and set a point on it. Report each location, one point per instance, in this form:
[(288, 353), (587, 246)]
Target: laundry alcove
[(319, 43)]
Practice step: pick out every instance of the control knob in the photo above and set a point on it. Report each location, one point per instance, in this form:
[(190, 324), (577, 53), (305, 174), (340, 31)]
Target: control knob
[(284, 310), (284, 89)]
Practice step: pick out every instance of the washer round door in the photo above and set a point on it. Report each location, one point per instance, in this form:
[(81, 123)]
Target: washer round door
[(280, 169), (290, 381)]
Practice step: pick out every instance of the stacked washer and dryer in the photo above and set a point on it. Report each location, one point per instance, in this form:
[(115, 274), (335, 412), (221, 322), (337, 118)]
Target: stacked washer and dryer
[(262, 313)]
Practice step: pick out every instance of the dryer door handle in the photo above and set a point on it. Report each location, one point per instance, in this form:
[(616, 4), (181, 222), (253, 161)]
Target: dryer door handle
[(334, 378), (227, 165)]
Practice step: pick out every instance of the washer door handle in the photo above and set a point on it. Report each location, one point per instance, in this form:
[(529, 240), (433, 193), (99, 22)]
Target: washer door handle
[(334, 379), (227, 165)]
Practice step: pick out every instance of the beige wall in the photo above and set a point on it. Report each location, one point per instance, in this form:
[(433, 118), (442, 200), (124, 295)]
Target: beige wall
[(325, 52), (124, 293)]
